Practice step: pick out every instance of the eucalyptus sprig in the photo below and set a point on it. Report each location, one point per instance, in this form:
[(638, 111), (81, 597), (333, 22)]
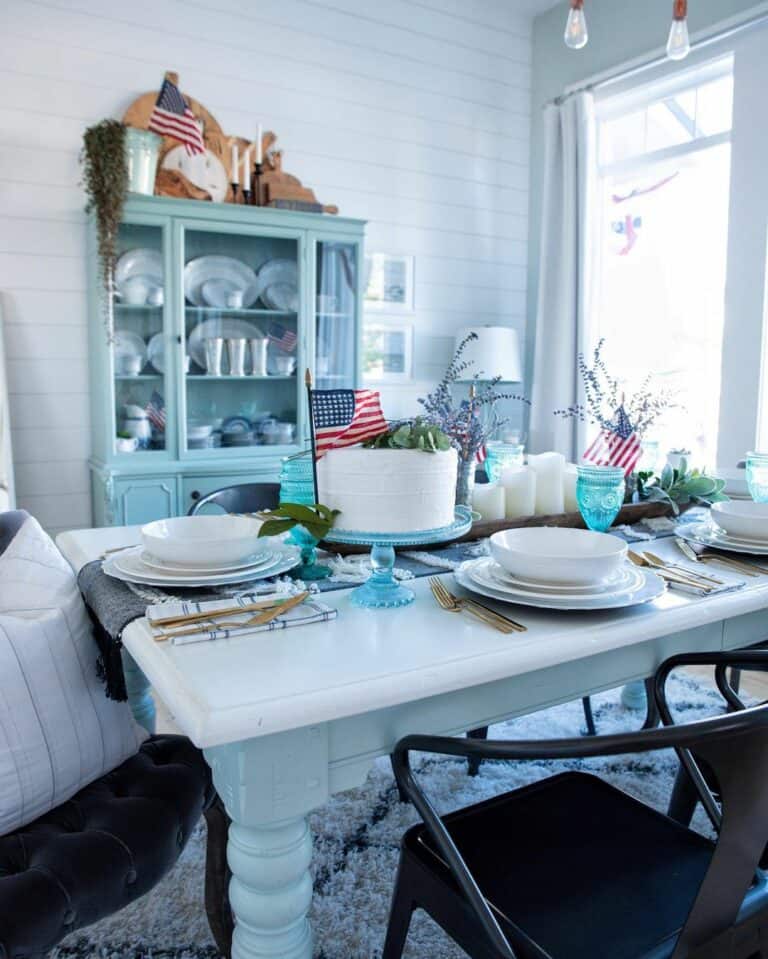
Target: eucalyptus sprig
[(105, 175), (411, 435), (316, 520), (679, 487)]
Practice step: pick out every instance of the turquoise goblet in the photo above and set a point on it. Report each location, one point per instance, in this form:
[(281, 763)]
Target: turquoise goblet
[(309, 569), (599, 495)]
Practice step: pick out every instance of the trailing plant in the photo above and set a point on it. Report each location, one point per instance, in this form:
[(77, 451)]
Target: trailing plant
[(679, 487), (471, 422), (603, 396), (416, 434), (317, 519), (105, 175)]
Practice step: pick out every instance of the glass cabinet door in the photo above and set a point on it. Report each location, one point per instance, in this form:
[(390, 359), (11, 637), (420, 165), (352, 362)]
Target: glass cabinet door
[(241, 304), (336, 273), (139, 349)]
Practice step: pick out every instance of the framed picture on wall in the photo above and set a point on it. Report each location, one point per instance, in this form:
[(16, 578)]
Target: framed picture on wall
[(389, 283), (387, 352)]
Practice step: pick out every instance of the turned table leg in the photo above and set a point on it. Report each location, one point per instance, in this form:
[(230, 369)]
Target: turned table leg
[(268, 787)]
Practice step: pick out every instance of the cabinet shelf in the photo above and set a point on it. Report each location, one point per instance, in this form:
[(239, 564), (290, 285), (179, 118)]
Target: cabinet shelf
[(138, 376), (248, 378), (228, 311), (138, 307)]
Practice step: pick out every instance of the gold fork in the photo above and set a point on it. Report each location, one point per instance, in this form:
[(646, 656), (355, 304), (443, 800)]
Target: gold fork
[(659, 563), (672, 576), (259, 620), (747, 569), (455, 604)]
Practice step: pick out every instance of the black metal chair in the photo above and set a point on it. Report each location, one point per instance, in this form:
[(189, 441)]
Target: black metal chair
[(245, 498), (573, 868), (109, 845)]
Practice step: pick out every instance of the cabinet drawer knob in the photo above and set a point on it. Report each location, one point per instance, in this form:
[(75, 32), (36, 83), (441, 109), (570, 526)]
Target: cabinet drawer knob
[(195, 494)]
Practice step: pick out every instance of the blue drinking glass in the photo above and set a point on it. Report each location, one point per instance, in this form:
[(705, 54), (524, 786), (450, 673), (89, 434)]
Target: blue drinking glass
[(757, 476), (499, 456), (599, 494), (296, 481)]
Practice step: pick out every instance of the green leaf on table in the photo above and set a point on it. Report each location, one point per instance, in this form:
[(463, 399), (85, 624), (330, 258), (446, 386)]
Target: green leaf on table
[(275, 527)]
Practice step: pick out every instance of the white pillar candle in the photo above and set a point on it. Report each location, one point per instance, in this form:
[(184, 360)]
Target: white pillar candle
[(489, 501), (259, 158), (519, 484), (549, 468), (569, 488), (247, 169), (234, 176)]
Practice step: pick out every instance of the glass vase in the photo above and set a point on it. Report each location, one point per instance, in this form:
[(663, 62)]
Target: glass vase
[(600, 494), (500, 456), (465, 482), (757, 476)]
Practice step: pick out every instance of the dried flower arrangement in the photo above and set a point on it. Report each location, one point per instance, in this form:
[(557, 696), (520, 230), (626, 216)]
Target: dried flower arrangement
[(603, 396), (471, 422)]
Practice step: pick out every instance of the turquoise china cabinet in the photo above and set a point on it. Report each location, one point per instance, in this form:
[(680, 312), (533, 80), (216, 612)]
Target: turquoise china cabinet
[(204, 384)]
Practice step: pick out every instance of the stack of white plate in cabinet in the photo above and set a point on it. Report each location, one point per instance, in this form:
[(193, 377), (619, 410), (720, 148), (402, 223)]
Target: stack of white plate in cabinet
[(737, 526), (194, 551), (568, 569)]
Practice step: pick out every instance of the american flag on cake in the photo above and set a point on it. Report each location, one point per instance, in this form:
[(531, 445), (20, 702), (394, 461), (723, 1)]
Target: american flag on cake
[(618, 446), (345, 417), (171, 117)]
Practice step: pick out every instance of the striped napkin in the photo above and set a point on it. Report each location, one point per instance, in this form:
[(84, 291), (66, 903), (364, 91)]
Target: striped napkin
[(311, 610)]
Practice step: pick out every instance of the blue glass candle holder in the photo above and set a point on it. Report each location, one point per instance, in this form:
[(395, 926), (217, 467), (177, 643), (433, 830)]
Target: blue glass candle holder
[(599, 494), (757, 476), (297, 483), (500, 456)]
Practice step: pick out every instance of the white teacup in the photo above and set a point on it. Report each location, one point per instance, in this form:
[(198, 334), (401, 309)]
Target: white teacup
[(135, 291), (235, 299)]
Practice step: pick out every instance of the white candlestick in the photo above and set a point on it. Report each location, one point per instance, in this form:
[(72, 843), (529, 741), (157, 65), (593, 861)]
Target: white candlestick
[(569, 488), (247, 169), (519, 484), (489, 501), (234, 176), (549, 469), (259, 158)]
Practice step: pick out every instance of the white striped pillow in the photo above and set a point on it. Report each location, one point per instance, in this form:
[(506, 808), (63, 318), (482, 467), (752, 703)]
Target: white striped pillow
[(58, 730)]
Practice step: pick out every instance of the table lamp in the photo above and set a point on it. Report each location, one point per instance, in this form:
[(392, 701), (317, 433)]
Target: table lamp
[(495, 352)]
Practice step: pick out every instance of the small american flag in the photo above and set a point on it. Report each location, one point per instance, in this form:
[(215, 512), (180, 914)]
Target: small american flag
[(481, 454), (282, 337), (155, 411), (345, 417), (617, 446), (172, 117)]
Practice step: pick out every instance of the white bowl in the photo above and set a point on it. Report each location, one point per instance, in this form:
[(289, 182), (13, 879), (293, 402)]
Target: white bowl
[(742, 518), (203, 541), (547, 554)]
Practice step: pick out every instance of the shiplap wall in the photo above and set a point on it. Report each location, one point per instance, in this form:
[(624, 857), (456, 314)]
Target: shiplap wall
[(412, 115)]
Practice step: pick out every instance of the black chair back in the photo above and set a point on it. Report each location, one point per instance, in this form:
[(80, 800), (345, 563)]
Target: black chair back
[(245, 498), (736, 748)]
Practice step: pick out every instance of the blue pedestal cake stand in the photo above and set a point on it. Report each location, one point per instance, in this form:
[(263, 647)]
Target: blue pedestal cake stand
[(382, 590)]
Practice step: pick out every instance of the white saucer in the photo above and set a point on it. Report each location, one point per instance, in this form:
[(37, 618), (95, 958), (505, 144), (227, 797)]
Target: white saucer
[(263, 558), (707, 535), (127, 566), (651, 588), (618, 580), (483, 574)]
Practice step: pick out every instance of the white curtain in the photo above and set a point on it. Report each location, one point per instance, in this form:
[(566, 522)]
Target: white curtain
[(7, 494), (570, 166)]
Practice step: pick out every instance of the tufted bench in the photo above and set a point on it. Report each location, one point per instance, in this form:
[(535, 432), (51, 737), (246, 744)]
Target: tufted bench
[(107, 846)]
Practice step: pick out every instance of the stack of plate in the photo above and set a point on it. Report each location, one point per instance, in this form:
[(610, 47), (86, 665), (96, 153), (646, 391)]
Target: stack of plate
[(194, 551), (735, 526), (567, 569)]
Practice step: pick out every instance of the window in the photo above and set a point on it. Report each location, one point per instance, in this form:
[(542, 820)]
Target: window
[(662, 245)]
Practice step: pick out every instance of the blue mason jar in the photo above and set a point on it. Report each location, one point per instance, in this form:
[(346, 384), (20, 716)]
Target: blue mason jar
[(296, 481), (599, 494), (499, 456), (757, 476)]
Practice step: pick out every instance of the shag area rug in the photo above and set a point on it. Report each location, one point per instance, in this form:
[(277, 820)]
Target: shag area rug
[(357, 836)]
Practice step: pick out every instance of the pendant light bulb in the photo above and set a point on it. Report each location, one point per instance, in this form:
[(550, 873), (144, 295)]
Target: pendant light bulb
[(679, 44), (576, 35)]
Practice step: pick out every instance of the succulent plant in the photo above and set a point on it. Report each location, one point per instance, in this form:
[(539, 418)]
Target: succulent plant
[(415, 434), (680, 487)]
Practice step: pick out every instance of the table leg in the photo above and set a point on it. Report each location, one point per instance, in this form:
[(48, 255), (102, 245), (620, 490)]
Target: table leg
[(268, 786), (139, 693)]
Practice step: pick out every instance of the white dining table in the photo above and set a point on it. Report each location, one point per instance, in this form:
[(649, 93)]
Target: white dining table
[(286, 719)]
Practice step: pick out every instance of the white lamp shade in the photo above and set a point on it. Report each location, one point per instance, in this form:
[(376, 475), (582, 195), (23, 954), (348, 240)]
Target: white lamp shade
[(495, 352)]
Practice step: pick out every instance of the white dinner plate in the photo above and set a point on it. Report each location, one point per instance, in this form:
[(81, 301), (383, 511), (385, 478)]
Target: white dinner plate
[(279, 283), (128, 343), (127, 566), (707, 535), (204, 268), (619, 579), (484, 574), (226, 327), (653, 587), (142, 262), (256, 562)]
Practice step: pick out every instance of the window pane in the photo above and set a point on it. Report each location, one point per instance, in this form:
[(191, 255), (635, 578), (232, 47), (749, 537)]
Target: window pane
[(661, 284), (714, 106), (671, 122), (622, 138)]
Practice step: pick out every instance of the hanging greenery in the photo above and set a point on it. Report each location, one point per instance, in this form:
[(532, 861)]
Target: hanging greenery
[(106, 185)]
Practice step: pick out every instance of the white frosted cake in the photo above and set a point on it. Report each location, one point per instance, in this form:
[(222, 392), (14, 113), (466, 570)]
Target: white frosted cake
[(388, 491)]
